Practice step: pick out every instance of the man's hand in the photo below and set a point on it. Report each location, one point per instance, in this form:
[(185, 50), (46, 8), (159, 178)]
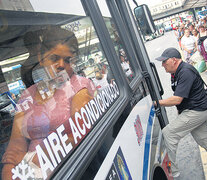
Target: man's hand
[(154, 103)]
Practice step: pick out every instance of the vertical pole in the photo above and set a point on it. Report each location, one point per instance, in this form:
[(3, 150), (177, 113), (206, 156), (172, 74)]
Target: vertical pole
[(194, 13)]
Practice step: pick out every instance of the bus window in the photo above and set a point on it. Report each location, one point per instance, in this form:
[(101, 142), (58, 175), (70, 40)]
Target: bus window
[(117, 42), (55, 65)]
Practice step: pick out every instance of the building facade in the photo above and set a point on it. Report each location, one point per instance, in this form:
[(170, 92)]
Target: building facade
[(165, 5), (16, 5)]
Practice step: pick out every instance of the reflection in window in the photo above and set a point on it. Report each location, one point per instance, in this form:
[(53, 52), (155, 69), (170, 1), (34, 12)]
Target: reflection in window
[(117, 42), (118, 45)]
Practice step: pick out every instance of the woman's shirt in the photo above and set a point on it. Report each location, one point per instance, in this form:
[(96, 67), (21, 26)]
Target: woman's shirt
[(40, 119), (188, 42)]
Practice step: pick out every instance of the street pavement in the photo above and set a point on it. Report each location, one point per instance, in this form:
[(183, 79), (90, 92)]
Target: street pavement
[(188, 153)]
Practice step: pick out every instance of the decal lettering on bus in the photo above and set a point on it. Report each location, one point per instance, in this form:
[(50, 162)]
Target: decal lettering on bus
[(58, 144)]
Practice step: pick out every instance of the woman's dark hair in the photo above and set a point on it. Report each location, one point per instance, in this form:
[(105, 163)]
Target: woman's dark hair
[(31, 40), (32, 43), (55, 35), (42, 41), (201, 26), (195, 31)]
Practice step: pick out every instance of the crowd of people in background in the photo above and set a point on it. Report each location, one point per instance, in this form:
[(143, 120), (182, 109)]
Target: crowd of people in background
[(191, 36)]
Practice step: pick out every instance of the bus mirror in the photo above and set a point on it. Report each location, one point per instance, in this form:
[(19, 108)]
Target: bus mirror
[(144, 18)]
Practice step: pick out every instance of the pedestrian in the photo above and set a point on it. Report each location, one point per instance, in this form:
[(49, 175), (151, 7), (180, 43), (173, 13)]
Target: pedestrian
[(191, 102), (201, 37), (191, 28), (202, 31), (197, 24), (195, 35), (187, 24), (204, 22), (189, 45), (176, 32), (181, 33)]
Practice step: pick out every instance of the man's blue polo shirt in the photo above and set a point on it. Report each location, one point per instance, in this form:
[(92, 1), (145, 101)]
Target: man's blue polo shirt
[(188, 85)]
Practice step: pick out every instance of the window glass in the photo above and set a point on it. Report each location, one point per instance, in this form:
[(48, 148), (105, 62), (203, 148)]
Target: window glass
[(117, 42), (55, 86)]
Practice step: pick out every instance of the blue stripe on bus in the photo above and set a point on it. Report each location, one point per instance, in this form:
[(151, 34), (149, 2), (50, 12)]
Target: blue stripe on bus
[(16, 67), (147, 144)]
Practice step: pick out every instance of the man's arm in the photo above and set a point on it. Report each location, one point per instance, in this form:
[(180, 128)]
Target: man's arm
[(171, 101)]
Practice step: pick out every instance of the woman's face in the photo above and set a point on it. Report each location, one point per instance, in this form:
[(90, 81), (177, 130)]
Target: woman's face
[(194, 32), (57, 59), (202, 29), (187, 33)]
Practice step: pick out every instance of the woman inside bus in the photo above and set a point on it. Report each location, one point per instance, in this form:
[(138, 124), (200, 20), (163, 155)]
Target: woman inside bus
[(54, 100)]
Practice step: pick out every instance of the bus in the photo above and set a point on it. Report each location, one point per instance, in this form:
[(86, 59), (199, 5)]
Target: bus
[(85, 109)]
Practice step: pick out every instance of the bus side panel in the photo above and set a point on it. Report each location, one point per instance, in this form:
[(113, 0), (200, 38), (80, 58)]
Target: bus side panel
[(129, 155)]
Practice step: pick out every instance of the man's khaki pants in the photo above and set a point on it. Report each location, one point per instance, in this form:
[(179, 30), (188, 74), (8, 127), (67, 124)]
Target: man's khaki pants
[(189, 121)]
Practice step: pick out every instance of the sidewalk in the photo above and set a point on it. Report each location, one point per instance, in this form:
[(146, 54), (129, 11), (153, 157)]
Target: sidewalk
[(202, 150)]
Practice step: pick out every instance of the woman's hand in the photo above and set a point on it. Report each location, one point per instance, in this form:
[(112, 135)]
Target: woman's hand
[(13, 157), (81, 98), (6, 172), (10, 160)]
